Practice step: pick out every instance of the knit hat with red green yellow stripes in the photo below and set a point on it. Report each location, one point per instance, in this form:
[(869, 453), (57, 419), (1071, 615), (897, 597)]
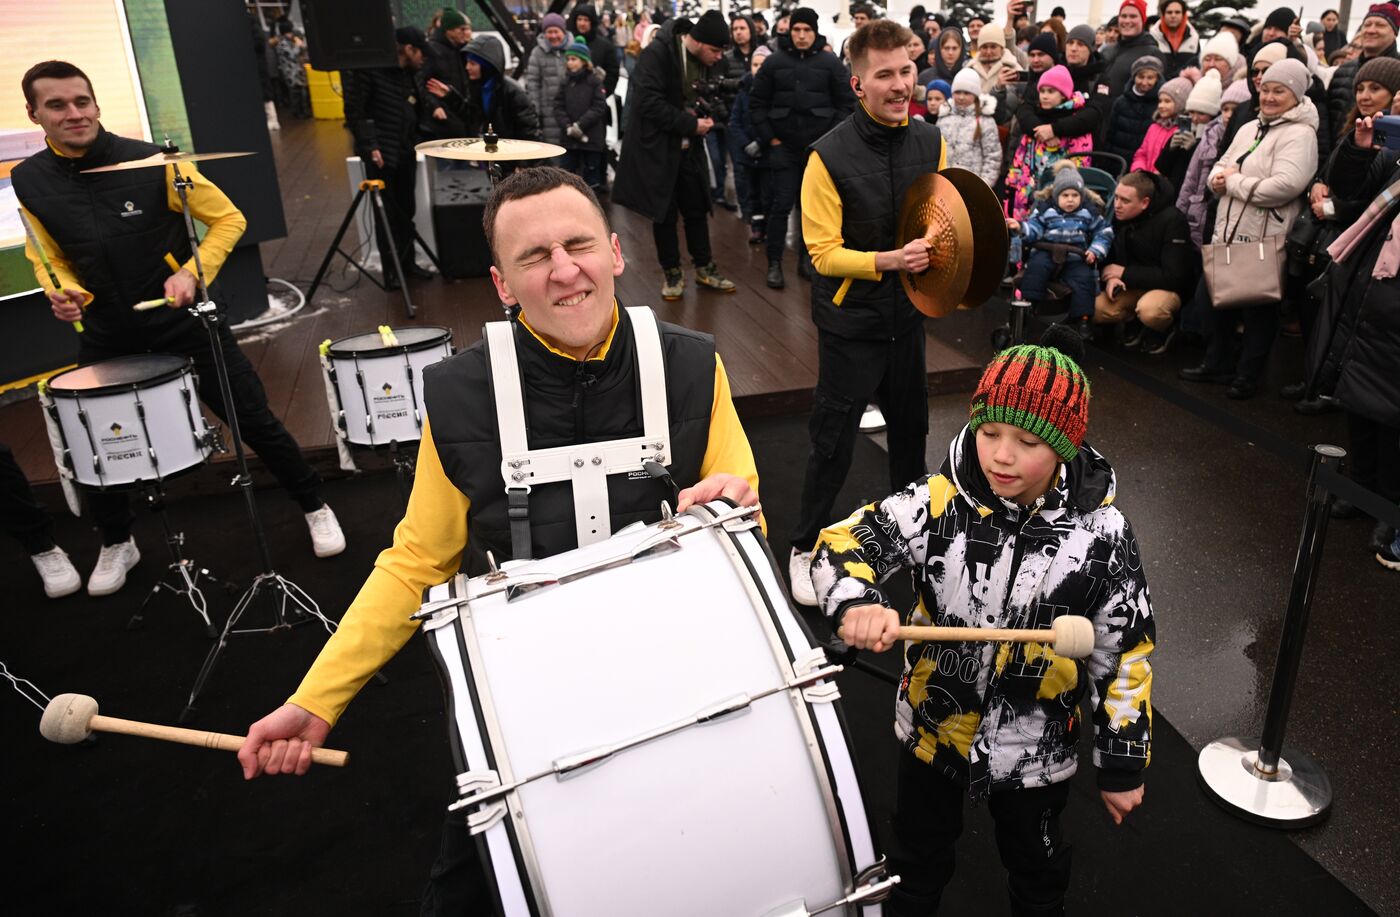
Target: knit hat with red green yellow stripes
[(1039, 388)]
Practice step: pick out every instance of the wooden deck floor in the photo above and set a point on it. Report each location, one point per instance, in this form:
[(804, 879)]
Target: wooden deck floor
[(765, 337)]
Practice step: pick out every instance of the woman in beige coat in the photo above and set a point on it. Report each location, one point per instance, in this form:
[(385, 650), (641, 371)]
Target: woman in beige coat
[(1260, 181)]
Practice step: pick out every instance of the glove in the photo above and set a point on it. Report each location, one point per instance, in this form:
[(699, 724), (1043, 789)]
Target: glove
[(753, 149), (1184, 140), (574, 131)]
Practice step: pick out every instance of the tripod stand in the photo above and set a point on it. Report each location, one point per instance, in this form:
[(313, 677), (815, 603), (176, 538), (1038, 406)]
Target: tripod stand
[(373, 188), (405, 467), (182, 576), (291, 604)]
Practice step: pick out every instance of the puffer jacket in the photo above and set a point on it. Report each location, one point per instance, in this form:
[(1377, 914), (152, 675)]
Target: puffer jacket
[(1341, 90), (1032, 156), (1278, 171), (966, 149), (1086, 229), (997, 716), (797, 96), (544, 77), (1186, 54), (1128, 120), (1193, 199), (1151, 147)]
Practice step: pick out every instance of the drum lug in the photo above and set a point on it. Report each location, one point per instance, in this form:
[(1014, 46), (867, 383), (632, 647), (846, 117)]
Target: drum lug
[(872, 885), (806, 664), (470, 784)]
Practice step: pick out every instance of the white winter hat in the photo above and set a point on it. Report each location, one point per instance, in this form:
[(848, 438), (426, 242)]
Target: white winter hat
[(967, 80), (1223, 45), (1205, 95)]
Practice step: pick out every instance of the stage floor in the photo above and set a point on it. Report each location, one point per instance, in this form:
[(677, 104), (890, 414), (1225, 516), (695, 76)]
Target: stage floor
[(765, 337)]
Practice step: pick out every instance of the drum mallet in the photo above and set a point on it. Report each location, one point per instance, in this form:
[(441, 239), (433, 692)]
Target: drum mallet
[(148, 304), (1071, 636), (70, 718)]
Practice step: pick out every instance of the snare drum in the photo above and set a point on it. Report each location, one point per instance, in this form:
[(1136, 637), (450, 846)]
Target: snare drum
[(642, 726), (130, 421), (379, 386)]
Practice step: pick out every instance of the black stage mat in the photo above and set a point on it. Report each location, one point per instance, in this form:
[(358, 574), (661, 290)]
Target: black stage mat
[(130, 826)]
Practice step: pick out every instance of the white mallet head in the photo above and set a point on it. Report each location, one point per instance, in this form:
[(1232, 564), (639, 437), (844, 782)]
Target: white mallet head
[(1073, 636), (67, 717)]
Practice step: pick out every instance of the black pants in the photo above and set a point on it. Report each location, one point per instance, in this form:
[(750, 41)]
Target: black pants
[(850, 374), (1081, 278), (691, 201), (928, 819), (786, 174), (400, 203), (20, 514), (1260, 329), (262, 431), (1375, 456), (458, 885)]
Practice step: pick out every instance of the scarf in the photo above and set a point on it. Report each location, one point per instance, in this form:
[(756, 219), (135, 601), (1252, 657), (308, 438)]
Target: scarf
[(1388, 261), (1174, 39)]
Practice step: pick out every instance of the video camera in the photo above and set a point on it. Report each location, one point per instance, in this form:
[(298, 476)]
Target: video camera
[(713, 97)]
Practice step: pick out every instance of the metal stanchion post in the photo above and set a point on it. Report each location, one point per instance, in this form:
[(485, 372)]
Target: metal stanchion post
[(1262, 781)]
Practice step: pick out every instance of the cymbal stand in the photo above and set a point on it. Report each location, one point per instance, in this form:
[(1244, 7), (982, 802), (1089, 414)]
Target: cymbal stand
[(182, 576), (291, 605)]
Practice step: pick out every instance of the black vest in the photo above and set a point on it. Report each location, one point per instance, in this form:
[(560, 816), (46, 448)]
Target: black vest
[(566, 402), (115, 229), (872, 166)]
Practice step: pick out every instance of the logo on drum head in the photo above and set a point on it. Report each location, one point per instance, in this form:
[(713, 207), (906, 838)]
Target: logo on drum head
[(116, 429), (388, 389)]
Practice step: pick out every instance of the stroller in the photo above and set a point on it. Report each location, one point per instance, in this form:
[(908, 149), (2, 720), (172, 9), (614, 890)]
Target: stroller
[(1102, 181)]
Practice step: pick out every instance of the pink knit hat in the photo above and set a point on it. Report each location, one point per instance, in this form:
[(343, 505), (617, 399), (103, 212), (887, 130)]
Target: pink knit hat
[(1057, 77)]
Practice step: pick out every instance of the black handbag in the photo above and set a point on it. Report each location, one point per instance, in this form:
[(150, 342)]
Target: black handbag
[(1307, 242)]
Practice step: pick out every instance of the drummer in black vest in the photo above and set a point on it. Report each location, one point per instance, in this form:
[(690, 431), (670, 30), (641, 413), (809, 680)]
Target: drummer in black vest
[(119, 238), (870, 338), (584, 374)]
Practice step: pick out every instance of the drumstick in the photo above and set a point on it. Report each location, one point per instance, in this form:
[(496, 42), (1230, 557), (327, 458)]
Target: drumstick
[(1071, 636), (70, 718), (147, 304), (44, 260)]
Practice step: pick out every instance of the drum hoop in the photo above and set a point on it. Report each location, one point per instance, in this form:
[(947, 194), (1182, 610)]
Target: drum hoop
[(175, 372), (444, 337)]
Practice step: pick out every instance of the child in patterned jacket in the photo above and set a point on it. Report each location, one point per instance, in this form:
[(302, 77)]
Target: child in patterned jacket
[(1018, 527), (1071, 220)]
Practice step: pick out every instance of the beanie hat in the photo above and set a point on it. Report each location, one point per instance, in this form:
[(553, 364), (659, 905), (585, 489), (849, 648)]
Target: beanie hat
[(552, 21), (1383, 70), (452, 19), (1292, 75), (578, 48), (1045, 43), (1223, 44), (761, 52), (1177, 89), (1205, 95), (1139, 5), (411, 35), (803, 15), (1147, 62), (1236, 93), (993, 33), (1281, 19), (1067, 178), (1058, 78), (1271, 53), (1387, 12), (1039, 388), (967, 80), (1084, 34), (1239, 24), (944, 87), (711, 29)]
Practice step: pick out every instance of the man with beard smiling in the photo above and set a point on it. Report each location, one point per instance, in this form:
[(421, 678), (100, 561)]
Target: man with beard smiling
[(870, 336), (582, 379)]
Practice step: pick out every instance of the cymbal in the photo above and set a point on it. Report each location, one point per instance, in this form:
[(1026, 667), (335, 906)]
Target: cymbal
[(475, 149), (164, 159), (961, 218)]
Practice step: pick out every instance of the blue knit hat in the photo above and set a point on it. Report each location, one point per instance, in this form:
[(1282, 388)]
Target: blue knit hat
[(579, 48), (942, 86)]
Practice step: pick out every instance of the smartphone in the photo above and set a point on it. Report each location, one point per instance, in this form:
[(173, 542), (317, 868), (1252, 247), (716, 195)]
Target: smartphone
[(1183, 122), (1387, 131), (1019, 76)]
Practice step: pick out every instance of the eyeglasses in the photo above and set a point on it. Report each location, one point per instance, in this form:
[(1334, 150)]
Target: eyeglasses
[(1260, 71)]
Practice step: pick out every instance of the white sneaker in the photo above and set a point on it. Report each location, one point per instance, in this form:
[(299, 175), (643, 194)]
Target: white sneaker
[(327, 540), (271, 111), (112, 565), (60, 576), (872, 421), (800, 578)]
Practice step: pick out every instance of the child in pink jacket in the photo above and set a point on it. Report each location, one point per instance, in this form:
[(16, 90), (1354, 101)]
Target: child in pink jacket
[(1171, 101)]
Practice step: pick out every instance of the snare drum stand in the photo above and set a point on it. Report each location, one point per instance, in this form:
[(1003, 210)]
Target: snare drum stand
[(182, 576), (404, 469), (281, 591)]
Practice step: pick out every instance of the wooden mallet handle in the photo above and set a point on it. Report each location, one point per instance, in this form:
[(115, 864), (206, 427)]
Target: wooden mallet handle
[(70, 717), (1070, 635)]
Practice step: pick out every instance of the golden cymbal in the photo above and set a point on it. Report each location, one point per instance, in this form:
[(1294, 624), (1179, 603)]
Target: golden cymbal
[(476, 149), (164, 159), (961, 219), (934, 210)]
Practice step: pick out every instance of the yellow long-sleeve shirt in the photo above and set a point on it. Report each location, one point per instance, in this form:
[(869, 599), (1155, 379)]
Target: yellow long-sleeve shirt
[(428, 546), (821, 224), (208, 204)]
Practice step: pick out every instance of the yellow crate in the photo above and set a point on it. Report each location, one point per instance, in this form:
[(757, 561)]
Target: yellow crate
[(327, 96)]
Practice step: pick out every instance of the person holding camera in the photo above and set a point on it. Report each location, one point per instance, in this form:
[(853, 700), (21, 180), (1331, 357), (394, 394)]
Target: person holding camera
[(663, 172), (800, 93)]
